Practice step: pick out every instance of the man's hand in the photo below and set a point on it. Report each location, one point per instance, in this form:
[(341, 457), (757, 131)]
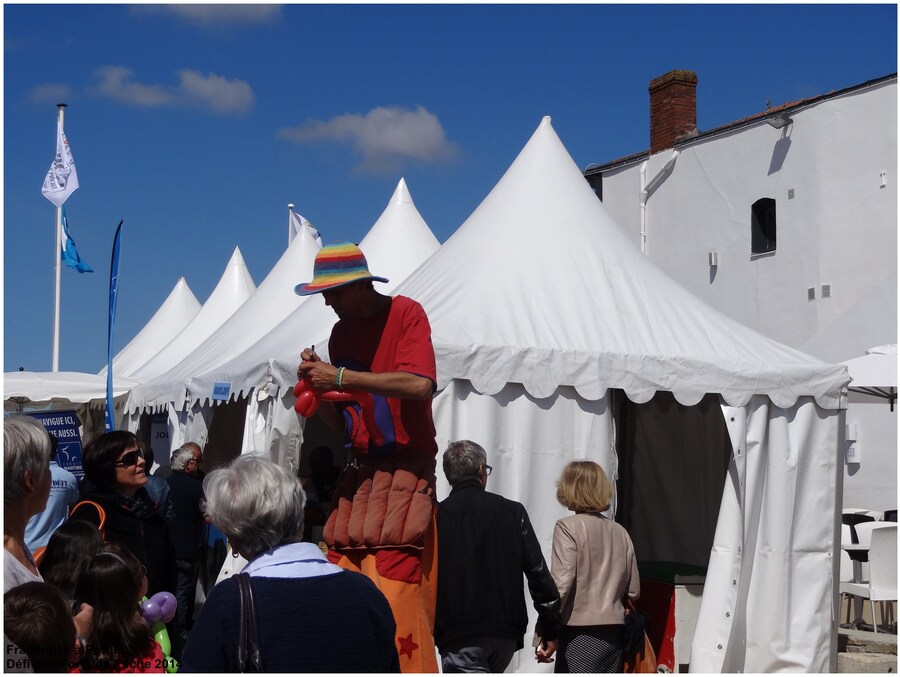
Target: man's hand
[(544, 652), (321, 375), (309, 355)]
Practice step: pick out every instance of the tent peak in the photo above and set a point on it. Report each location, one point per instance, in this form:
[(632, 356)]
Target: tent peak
[(546, 122), (401, 193)]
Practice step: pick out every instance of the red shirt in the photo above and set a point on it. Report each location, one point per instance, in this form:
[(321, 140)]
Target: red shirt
[(397, 338)]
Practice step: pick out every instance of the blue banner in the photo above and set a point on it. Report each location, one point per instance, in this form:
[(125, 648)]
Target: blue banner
[(113, 294), (69, 253), (64, 426)]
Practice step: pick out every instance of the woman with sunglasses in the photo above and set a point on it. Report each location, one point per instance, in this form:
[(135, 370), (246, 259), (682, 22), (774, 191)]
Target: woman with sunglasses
[(116, 477)]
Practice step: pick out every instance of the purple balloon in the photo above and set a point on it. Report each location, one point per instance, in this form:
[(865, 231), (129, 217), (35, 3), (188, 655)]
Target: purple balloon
[(167, 604), (152, 612)]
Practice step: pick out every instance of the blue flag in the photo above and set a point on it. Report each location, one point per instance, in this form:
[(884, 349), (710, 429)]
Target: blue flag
[(113, 293), (69, 253)]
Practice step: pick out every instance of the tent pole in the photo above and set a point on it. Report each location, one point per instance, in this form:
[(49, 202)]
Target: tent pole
[(290, 224)]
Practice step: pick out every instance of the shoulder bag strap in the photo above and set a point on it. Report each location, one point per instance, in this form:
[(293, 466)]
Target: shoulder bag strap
[(248, 653)]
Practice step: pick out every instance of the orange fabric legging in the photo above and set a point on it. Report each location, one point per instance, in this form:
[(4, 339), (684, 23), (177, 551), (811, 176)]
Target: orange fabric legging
[(413, 604)]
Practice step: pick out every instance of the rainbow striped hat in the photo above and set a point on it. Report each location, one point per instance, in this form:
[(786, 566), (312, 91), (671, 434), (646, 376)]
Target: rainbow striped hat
[(335, 266)]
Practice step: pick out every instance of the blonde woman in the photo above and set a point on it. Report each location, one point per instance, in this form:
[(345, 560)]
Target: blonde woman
[(595, 569)]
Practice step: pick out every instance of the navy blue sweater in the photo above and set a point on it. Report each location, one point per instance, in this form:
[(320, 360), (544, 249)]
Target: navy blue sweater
[(335, 623)]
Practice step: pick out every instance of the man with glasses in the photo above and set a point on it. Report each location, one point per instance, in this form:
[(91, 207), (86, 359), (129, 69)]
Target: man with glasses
[(187, 493), (485, 544)]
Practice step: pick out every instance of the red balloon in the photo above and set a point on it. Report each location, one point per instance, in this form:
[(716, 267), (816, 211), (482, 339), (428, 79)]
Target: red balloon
[(306, 404), (300, 387), (338, 396)]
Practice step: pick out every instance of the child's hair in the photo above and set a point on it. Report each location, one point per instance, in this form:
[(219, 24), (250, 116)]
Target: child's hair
[(38, 619), (111, 583), (68, 551)]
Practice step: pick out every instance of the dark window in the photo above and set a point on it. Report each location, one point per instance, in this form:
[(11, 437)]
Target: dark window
[(762, 226)]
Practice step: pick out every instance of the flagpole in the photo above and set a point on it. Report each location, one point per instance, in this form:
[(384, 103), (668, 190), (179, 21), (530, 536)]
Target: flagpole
[(60, 116), (290, 223)]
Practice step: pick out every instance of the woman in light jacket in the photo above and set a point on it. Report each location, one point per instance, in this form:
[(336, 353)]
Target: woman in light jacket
[(594, 568)]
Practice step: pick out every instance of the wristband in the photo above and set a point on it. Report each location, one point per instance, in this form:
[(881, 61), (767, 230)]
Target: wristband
[(339, 378)]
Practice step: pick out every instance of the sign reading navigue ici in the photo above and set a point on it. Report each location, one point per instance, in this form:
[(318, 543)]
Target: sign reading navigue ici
[(64, 426)]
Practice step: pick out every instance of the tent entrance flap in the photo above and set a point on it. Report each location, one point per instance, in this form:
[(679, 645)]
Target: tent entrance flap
[(673, 461)]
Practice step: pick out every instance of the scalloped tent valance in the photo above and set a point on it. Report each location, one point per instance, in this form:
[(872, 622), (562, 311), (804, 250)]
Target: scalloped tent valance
[(540, 287)]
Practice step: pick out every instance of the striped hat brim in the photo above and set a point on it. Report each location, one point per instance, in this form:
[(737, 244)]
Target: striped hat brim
[(335, 266)]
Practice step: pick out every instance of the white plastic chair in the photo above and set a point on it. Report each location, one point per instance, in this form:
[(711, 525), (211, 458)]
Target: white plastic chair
[(882, 584), (846, 536)]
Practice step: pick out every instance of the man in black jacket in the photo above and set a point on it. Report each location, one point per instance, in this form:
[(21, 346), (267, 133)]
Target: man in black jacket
[(485, 544)]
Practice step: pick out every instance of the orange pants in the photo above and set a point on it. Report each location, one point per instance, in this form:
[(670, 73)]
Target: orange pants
[(413, 604)]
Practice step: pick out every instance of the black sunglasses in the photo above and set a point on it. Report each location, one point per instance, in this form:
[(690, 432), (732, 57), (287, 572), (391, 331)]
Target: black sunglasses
[(130, 459), (487, 469)]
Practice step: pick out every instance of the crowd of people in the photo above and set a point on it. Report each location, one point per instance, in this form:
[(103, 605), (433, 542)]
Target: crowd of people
[(404, 581)]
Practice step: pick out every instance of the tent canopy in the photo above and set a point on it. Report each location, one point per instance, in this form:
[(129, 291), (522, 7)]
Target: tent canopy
[(875, 373), (176, 312), (511, 300), (60, 388)]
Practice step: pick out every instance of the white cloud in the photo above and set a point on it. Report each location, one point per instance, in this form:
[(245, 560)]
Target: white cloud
[(212, 16), (115, 82), (50, 93), (213, 92), (218, 93), (385, 137)]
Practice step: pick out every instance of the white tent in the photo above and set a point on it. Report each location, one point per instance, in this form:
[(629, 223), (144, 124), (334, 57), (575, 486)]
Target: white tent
[(267, 306), (270, 303), (83, 393), (871, 472), (59, 388), (176, 312), (397, 243), (233, 289), (543, 313), (875, 373)]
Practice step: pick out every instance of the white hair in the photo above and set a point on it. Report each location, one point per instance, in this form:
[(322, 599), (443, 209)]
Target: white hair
[(26, 447), (255, 503), (180, 457)]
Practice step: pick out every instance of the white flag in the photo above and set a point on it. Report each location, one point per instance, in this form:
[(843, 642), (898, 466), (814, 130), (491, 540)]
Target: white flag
[(298, 222), (62, 179)]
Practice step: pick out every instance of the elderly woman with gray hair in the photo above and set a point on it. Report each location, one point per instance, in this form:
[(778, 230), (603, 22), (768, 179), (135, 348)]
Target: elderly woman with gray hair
[(26, 486), (312, 616)]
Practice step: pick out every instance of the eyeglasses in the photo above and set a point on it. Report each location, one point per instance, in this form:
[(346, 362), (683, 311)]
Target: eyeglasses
[(487, 470), (130, 459), (195, 461)]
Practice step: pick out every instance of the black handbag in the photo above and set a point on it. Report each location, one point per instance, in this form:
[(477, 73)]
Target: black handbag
[(636, 624), (249, 656)]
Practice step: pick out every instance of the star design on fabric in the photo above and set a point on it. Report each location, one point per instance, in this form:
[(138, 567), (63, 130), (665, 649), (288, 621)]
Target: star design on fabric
[(407, 645)]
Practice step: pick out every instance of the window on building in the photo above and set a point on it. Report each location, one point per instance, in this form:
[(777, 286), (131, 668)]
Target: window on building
[(762, 226)]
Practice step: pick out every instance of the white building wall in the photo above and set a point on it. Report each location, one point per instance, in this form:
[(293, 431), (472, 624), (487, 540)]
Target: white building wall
[(839, 228)]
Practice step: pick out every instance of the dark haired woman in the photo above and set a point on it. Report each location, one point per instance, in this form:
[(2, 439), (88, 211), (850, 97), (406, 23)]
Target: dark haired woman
[(113, 582), (68, 551), (115, 470)]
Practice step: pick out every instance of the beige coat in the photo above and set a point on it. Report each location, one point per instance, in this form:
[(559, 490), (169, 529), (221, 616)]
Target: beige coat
[(594, 567)]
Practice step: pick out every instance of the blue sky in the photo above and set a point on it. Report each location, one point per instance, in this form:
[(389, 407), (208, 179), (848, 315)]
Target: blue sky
[(198, 124)]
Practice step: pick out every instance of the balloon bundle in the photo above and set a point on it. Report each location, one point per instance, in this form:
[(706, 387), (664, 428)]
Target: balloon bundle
[(308, 399), (157, 611), (160, 607)]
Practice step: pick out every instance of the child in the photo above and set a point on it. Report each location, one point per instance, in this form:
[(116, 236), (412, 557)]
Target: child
[(113, 582), (69, 549), (38, 620)]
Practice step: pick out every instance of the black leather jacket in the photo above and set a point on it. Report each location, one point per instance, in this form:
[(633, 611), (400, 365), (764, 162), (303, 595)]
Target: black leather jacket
[(485, 544)]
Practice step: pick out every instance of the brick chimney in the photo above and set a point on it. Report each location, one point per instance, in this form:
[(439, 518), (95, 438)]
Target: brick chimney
[(673, 108)]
